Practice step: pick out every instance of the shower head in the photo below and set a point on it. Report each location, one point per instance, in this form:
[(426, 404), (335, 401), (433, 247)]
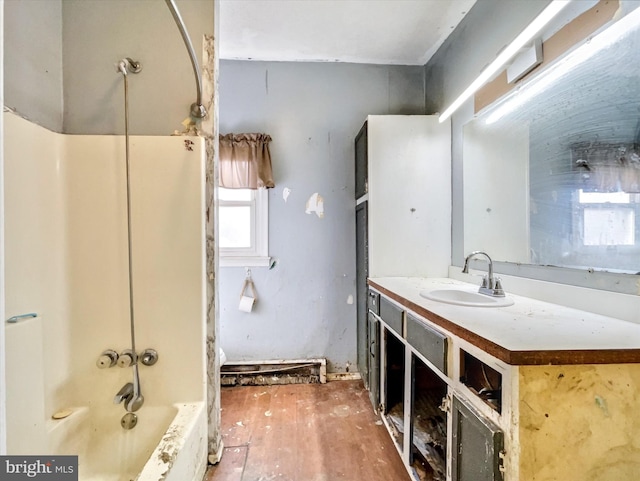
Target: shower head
[(121, 67), (126, 66)]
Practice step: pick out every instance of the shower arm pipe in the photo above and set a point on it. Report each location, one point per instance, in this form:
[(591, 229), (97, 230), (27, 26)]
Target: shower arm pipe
[(126, 66), (127, 63), (197, 109)]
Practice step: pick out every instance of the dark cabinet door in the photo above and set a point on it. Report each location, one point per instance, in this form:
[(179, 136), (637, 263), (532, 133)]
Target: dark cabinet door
[(362, 272), (374, 360), (428, 342), (361, 162), (477, 444)]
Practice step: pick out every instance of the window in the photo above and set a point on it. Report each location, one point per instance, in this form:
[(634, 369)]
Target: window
[(608, 219), (243, 227)]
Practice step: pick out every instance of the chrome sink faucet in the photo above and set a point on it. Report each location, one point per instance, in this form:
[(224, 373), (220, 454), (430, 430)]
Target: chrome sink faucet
[(491, 286)]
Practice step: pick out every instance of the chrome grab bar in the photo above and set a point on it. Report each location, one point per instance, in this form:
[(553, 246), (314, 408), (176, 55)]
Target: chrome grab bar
[(15, 319)]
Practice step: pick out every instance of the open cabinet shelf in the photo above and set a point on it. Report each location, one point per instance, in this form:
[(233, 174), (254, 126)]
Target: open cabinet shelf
[(429, 424), (394, 386)]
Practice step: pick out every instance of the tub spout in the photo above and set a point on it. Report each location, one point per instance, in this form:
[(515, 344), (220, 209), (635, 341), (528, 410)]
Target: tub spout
[(135, 403), (130, 394), (136, 400), (125, 394)]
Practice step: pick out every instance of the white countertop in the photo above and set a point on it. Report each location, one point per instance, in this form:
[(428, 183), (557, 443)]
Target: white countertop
[(527, 325)]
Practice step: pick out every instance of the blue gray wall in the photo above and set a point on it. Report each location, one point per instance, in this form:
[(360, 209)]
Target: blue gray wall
[(313, 111), (33, 60), (85, 39)]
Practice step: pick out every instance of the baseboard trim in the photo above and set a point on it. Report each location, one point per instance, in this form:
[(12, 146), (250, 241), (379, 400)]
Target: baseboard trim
[(266, 372), (343, 376)]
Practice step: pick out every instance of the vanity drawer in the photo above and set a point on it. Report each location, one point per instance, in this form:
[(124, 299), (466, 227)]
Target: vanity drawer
[(428, 342), (391, 315), (373, 302)]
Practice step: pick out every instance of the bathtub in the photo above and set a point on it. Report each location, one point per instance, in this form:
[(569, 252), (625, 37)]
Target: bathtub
[(168, 443)]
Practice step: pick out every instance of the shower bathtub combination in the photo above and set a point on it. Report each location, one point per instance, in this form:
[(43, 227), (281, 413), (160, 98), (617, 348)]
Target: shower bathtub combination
[(67, 261), (106, 289)]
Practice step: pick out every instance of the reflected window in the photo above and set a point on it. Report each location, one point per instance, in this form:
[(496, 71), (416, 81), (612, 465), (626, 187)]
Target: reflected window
[(607, 218)]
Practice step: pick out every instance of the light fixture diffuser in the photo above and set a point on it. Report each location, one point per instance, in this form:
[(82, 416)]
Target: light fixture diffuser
[(603, 40), (512, 49)]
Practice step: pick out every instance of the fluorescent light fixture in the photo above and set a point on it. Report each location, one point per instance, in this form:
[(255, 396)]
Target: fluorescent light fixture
[(521, 40), (569, 62)]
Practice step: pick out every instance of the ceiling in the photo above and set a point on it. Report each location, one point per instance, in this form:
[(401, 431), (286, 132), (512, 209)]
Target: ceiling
[(390, 32)]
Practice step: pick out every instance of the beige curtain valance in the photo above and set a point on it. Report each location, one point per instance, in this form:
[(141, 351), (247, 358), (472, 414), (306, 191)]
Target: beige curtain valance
[(245, 161)]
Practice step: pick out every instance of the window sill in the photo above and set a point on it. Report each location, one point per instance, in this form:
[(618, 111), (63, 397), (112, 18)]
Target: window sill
[(245, 261)]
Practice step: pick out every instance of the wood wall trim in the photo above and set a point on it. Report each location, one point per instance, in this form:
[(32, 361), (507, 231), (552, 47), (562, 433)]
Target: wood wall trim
[(517, 358), (554, 47)]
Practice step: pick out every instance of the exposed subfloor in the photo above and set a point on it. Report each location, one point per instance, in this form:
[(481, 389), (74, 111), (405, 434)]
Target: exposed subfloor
[(304, 432)]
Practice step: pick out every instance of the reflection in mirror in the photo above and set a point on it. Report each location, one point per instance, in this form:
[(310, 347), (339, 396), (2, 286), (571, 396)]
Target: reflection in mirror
[(552, 172)]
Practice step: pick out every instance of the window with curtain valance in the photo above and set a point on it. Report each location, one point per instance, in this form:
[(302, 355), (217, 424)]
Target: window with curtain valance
[(243, 202), (245, 161)]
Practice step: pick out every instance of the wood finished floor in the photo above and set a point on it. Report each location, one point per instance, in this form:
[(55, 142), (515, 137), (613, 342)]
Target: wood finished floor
[(304, 432)]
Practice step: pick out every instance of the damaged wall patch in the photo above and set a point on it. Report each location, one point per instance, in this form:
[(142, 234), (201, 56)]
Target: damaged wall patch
[(315, 204)]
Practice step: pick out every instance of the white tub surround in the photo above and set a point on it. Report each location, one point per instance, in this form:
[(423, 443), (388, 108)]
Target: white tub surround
[(66, 243), (563, 392), (25, 386)]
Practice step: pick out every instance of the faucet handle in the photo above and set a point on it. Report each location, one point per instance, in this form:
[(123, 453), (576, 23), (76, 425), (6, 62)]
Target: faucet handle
[(126, 358), (497, 287), (107, 359), (149, 357), (485, 282)]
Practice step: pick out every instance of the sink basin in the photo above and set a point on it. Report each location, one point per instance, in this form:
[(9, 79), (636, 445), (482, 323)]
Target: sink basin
[(462, 297)]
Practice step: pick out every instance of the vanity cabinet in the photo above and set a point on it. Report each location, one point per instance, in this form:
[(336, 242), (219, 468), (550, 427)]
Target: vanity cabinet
[(463, 401), (433, 428)]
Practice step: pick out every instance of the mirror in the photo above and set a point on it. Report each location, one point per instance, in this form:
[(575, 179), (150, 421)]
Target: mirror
[(552, 171)]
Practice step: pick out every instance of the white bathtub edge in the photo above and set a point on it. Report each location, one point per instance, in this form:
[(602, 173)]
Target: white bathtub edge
[(181, 454)]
